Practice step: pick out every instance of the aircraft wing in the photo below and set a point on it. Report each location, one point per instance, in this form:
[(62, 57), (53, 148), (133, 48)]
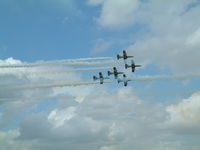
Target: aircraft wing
[(129, 79), (125, 83), (100, 75), (133, 69), (119, 57), (120, 72), (101, 81), (95, 78), (124, 53)]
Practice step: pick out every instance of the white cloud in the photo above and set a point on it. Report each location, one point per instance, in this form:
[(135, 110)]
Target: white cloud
[(95, 2), (16, 101), (172, 37), (10, 61), (116, 14), (168, 35), (7, 141), (184, 116), (194, 38), (112, 121), (106, 148), (108, 120), (58, 117)]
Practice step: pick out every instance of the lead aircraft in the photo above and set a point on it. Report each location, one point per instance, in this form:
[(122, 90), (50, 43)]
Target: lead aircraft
[(100, 78)]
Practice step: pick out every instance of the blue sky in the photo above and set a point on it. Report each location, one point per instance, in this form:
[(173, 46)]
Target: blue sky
[(51, 30), (42, 31), (163, 36)]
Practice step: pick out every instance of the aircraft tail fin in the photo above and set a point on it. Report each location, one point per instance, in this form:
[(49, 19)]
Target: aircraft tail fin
[(126, 66), (132, 62), (125, 83), (118, 56), (95, 78), (109, 73)]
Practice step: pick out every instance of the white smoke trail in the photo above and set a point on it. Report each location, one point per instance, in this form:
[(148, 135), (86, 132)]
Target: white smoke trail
[(30, 99), (58, 85), (85, 59), (144, 78), (175, 77), (97, 62), (52, 72), (62, 84), (25, 65), (90, 69)]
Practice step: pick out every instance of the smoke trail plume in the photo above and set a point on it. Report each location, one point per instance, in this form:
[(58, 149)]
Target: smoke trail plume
[(26, 99), (58, 85), (144, 78), (86, 59), (175, 77), (76, 62), (53, 72), (26, 65)]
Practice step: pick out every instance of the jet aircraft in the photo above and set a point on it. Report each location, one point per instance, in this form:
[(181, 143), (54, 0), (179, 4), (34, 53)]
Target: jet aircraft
[(124, 56), (100, 78), (115, 72), (132, 66), (125, 80)]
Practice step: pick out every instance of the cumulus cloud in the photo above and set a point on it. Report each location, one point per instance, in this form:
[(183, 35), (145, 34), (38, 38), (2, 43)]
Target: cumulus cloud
[(87, 118), (116, 14), (172, 37), (96, 122), (112, 120), (194, 38), (168, 32), (15, 100), (7, 141), (10, 61), (95, 2), (58, 117), (185, 115)]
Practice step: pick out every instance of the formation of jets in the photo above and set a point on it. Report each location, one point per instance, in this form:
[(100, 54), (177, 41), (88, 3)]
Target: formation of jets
[(116, 73)]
